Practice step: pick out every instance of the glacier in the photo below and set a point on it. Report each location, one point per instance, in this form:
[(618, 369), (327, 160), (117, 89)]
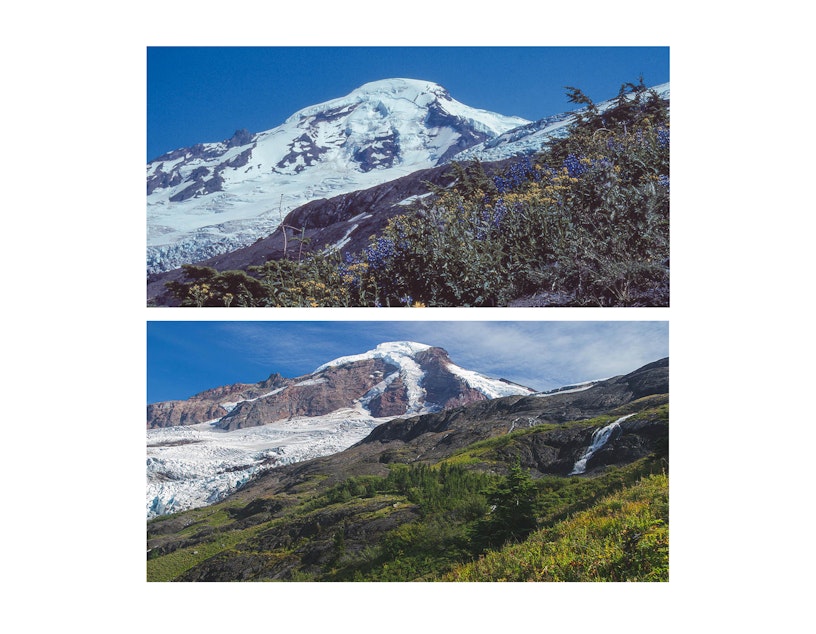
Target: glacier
[(195, 465)]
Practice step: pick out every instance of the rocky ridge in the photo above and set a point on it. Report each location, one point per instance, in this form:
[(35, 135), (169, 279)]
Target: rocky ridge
[(435, 436)]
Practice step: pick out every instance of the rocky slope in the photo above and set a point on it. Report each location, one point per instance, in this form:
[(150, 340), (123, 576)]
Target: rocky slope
[(210, 404), (435, 436)]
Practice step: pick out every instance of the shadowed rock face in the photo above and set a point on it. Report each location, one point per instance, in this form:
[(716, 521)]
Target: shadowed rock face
[(173, 413), (440, 385), (392, 402)]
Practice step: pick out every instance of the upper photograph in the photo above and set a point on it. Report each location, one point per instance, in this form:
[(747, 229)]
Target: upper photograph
[(407, 177)]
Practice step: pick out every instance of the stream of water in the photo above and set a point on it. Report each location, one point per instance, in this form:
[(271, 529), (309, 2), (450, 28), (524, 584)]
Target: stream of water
[(599, 439)]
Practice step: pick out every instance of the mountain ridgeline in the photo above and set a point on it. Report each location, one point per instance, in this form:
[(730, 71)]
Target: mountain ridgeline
[(483, 491), (394, 379)]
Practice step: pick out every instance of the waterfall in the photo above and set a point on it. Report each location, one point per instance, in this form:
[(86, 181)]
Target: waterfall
[(599, 439)]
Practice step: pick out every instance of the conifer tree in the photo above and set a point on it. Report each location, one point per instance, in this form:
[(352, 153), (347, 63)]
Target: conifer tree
[(513, 515)]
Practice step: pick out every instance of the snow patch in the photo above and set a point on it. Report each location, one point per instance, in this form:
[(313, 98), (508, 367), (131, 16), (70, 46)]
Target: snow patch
[(491, 388), (578, 387)]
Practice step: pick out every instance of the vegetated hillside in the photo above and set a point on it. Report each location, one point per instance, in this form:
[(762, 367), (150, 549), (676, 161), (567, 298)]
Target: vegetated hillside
[(489, 491), (583, 223)]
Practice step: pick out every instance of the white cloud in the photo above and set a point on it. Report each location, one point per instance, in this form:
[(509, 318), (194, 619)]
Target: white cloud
[(545, 355)]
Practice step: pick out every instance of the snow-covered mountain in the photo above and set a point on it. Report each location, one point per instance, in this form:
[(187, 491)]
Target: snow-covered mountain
[(202, 449), (532, 137), (215, 197)]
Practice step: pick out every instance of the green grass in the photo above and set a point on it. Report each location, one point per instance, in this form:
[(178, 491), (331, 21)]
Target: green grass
[(625, 537), (169, 567)]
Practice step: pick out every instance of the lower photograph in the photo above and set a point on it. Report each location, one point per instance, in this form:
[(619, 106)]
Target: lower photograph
[(374, 451)]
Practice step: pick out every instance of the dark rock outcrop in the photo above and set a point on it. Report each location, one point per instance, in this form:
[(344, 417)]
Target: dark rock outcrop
[(172, 413), (241, 137), (440, 385)]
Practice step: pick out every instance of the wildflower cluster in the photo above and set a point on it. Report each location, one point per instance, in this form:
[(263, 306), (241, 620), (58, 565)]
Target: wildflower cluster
[(368, 275), (379, 253), (517, 174), (352, 271), (574, 166)]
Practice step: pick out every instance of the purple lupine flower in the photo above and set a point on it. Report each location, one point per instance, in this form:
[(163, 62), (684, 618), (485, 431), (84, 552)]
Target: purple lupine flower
[(378, 254), (574, 166), (499, 212)]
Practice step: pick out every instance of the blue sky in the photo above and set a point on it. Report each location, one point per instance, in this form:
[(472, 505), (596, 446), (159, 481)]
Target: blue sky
[(204, 94), (184, 358)]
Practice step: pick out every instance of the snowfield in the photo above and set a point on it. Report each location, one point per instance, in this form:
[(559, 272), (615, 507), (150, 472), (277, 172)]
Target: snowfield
[(195, 465), (491, 388)]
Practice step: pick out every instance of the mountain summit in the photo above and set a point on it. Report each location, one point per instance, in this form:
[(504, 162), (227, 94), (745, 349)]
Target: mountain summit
[(202, 448), (214, 197)]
